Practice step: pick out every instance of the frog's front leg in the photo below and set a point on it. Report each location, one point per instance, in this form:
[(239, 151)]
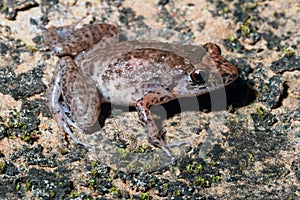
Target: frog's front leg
[(154, 95)]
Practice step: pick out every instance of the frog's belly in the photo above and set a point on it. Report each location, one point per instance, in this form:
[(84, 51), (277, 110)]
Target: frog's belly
[(119, 92)]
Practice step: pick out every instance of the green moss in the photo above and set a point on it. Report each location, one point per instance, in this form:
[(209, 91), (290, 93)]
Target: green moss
[(251, 157), (260, 111), (200, 181), (63, 151), (28, 185), (248, 20), (94, 172), (94, 164), (58, 175), (265, 88), (2, 166), (244, 165), (18, 186), (31, 48), (121, 151), (253, 5), (152, 181), (142, 149), (51, 193), (231, 38), (74, 193), (213, 162), (287, 52), (114, 191), (165, 186), (26, 136), (178, 192), (145, 196), (231, 108), (194, 168), (189, 168), (216, 178), (198, 168), (225, 10), (92, 183), (245, 29)]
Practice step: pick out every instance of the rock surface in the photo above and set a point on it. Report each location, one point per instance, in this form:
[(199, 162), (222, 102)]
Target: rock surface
[(252, 154)]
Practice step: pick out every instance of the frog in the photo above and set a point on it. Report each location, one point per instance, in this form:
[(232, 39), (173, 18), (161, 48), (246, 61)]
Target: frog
[(91, 71)]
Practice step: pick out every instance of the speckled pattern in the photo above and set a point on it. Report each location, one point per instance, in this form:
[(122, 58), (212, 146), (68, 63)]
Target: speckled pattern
[(254, 154)]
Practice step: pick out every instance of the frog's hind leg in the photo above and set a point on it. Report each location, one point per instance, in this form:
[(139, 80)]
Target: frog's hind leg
[(59, 110), (67, 40)]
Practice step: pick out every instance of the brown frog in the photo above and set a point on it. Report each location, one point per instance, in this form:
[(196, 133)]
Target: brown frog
[(137, 73)]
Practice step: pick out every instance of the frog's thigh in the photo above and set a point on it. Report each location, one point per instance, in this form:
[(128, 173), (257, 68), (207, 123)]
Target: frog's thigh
[(153, 97)]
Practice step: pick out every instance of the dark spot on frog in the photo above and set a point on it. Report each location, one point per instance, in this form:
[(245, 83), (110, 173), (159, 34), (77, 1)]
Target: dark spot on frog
[(147, 105), (141, 102), (127, 57), (118, 86), (154, 100)]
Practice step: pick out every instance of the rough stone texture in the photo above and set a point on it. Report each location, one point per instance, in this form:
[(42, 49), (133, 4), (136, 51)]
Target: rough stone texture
[(256, 154)]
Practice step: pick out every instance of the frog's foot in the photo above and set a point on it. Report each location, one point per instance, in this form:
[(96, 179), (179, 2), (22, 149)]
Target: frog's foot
[(160, 143), (75, 139), (160, 135), (65, 122)]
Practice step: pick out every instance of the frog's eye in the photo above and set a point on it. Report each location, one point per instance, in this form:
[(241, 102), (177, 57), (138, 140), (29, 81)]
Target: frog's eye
[(199, 76)]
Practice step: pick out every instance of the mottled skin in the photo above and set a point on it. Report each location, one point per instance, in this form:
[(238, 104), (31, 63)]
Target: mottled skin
[(139, 74)]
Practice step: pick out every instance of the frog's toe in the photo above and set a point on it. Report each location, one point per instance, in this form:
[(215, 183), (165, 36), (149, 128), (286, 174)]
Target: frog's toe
[(77, 141), (167, 151)]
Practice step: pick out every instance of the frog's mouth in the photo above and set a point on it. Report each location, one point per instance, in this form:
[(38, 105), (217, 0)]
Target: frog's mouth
[(193, 86)]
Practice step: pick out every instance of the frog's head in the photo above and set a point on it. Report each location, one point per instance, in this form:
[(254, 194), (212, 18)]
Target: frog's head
[(219, 65), (211, 73)]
